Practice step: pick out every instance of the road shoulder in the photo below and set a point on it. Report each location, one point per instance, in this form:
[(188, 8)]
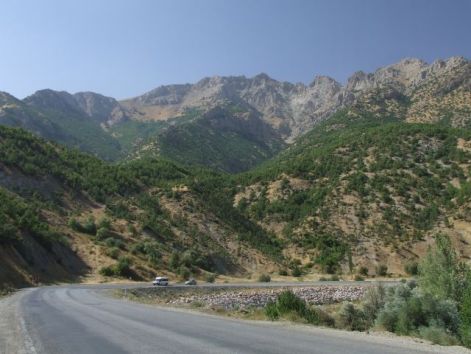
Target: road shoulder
[(415, 345)]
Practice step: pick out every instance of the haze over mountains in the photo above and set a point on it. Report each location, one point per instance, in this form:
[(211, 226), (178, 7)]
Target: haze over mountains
[(259, 114)]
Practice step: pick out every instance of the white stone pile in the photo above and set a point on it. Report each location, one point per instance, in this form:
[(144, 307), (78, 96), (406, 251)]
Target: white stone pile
[(244, 298)]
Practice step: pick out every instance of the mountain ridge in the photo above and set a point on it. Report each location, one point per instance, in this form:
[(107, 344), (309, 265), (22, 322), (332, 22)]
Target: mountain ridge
[(411, 90)]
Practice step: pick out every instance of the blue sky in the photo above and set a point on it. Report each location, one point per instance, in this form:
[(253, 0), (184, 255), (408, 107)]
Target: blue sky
[(123, 48)]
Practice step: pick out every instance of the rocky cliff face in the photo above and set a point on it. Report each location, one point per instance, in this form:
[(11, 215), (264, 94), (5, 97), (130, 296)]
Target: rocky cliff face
[(104, 110), (293, 109), (260, 113)]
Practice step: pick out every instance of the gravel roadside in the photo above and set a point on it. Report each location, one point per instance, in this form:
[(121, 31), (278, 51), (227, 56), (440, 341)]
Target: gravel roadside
[(13, 336)]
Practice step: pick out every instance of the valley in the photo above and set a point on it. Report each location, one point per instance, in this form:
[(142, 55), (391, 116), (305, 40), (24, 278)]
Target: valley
[(236, 177)]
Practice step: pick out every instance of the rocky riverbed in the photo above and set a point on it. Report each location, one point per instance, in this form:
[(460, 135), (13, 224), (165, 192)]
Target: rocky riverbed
[(241, 298)]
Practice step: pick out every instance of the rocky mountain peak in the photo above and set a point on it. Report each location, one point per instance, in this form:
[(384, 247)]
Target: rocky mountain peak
[(6, 98), (55, 100), (101, 108), (292, 108)]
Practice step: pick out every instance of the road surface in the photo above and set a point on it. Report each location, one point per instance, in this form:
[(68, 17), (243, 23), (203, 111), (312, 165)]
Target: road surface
[(82, 319)]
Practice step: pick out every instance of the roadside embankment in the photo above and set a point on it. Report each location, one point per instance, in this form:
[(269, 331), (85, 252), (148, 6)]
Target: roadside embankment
[(241, 298)]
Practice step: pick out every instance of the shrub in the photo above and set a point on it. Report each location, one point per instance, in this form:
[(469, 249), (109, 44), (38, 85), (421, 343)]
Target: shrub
[(264, 278), (352, 318), (104, 223), (271, 311), (363, 271), (382, 270), (184, 272), (335, 277), (112, 252), (465, 314), (359, 278), (102, 234), (210, 278), (114, 242), (373, 302), (122, 268), (75, 225), (439, 270), (89, 226), (412, 268), (296, 272), (107, 271), (174, 261), (324, 318), (283, 272), (406, 310), (438, 335), (288, 304)]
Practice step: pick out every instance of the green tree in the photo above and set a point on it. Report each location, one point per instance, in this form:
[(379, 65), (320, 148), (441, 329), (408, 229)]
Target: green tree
[(440, 273), (465, 313)]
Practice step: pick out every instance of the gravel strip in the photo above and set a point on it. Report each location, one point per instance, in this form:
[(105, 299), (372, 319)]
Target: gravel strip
[(230, 299)]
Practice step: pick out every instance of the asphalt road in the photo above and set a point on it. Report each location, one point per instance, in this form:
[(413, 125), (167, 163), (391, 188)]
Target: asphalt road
[(81, 319)]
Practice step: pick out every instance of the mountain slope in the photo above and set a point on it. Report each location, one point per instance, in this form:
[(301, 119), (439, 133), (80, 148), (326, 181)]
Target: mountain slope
[(234, 123), (293, 109), (58, 117), (68, 215), (367, 195), (227, 138)]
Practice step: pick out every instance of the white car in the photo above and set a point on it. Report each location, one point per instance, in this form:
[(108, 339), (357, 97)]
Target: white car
[(190, 282), (160, 281)]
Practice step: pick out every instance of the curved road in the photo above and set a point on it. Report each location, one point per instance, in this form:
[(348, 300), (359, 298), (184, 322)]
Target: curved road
[(81, 319)]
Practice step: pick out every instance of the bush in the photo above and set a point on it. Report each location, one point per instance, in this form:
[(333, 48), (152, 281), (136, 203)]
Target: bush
[(359, 278), (439, 271), (174, 261), (148, 248), (75, 225), (438, 335), (412, 268), (271, 311), (104, 223), (382, 270), (102, 234), (406, 310), (296, 272), (210, 278), (123, 267), (107, 271), (283, 272), (89, 226), (264, 278), (363, 271), (288, 304), (112, 252), (120, 269), (372, 303), (184, 272), (352, 318), (112, 242), (465, 314)]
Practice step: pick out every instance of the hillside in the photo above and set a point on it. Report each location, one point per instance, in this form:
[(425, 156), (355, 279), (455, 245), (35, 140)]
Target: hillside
[(368, 195), (67, 216), (57, 117)]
